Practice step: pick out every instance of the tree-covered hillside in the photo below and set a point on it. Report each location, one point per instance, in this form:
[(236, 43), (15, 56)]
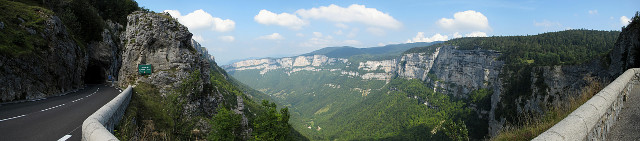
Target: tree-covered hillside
[(334, 105)]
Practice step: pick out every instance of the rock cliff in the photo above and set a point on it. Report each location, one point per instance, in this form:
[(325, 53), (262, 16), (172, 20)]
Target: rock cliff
[(105, 55), (56, 67), (159, 40)]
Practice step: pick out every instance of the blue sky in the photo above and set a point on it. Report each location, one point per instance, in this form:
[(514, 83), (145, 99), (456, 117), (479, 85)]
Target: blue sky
[(238, 29)]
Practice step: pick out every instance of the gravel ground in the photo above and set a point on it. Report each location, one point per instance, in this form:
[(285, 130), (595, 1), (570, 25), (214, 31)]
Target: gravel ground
[(627, 128)]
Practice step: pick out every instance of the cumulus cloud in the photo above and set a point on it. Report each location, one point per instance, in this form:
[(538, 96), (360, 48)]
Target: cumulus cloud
[(624, 20), (353, 13), (283, 19), (319, 40), (198, 38), (476, 34), (227, 38), (200, 19), (274, 36), (593, 12), (457, 35), (465, 21), (341, 25), (317, 34), (421, 38)]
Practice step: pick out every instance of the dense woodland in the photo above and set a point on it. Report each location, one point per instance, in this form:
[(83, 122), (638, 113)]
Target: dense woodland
[(522, 53), (397, 110)]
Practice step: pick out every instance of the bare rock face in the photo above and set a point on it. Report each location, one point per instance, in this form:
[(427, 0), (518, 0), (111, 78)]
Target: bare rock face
[(159, 40), (626, 52), (105, 55), (53, 69)]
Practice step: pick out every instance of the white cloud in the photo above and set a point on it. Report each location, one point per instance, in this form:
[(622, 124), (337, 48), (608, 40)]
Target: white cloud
[(300, 35), (227, 38), (593, 12), (198, 38), (223, 25), (465, 21), (341, 25), (325, 41), (475, 34), (353, 13), (375, 31), (317, 34), (456, 35), (624, 20), (421, 38), (200, 19), (339, 32), (353, 32), (274, 36), (283, 19)]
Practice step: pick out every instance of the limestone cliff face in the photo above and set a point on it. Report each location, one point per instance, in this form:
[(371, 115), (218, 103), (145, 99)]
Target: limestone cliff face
[(466, 70), (158, 40), (58, 67), (417, 65), (105, 55), (626, 52)]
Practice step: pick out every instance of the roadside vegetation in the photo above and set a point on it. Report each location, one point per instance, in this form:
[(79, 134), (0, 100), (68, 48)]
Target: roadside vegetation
[(535, 125)]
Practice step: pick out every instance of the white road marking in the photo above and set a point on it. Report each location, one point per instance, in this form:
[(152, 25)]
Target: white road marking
[(64, 138), (12, 118)]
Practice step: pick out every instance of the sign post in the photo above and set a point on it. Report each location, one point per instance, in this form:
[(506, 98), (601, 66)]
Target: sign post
[(145, 69)]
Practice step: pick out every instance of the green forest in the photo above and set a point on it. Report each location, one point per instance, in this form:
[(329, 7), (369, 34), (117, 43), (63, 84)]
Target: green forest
[(328, 105)]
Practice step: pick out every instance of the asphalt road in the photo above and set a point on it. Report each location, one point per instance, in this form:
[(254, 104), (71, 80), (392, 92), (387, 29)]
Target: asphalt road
[(627, 128), (53, 118)]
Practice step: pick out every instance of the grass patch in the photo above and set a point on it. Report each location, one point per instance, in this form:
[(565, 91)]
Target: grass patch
[(534, 126), (18, 19)]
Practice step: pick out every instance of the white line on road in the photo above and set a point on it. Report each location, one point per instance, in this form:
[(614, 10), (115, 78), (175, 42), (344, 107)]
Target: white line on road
[(64, 138), (12, 118)]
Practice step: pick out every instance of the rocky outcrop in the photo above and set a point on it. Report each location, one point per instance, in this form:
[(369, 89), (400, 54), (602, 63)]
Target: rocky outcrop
[(417, 65), (466, 70), (159, 40), (204, 53), (626, 52), (55, 68), (105, 55)]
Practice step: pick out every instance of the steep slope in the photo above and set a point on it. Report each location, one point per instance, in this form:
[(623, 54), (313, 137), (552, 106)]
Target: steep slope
[(495, 80), (49, 48), (39, 58), (187, 96), (346, 52)]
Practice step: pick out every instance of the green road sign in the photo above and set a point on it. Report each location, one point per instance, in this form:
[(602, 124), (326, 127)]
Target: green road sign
[(144, 69)]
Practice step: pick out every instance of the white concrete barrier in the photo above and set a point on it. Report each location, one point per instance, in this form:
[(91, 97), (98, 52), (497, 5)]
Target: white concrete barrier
[(99, 125), (593, 120)]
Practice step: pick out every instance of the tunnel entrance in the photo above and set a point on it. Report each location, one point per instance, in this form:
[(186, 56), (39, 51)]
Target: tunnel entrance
[(94, 75)]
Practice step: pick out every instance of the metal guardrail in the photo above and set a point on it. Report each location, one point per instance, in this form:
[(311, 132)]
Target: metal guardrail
[(593, 120), (99, 125)]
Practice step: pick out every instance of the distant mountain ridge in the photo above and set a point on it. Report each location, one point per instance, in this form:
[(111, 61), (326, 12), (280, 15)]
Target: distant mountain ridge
[(479, 84), (347, 51)]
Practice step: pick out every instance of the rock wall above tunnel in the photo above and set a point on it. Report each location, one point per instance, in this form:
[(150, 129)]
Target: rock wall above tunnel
[(54, 68)]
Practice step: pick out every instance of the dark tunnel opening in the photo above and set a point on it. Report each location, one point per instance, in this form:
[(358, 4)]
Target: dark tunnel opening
[(94, 75)]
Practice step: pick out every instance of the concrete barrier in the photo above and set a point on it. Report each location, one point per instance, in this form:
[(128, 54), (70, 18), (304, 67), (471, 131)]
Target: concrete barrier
[(593, 120), (99, 125)]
